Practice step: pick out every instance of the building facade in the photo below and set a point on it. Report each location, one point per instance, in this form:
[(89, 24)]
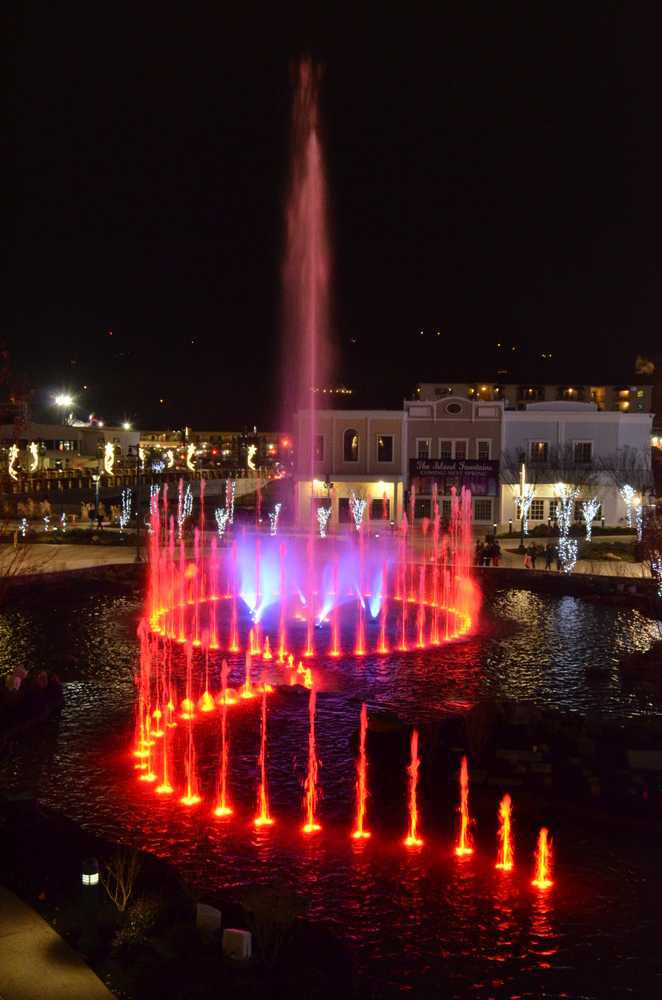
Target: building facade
[(347, 452), (66, 447), (454, 442), (518, 395)]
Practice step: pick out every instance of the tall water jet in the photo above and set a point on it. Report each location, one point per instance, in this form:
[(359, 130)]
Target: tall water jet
[(311, 794), (263, 817), (306, 360), (360, 833), (543, 856), (505, 857), (412, 839), (223, 808), (464, 838)]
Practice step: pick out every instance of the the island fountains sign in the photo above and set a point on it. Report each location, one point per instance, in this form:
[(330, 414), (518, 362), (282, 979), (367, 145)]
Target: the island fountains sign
[(481, 477)]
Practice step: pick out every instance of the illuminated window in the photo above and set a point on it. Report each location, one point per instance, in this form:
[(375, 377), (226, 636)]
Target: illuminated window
[(538, 451), (384, 447), (484, 450), (351, 445), (537, 510)]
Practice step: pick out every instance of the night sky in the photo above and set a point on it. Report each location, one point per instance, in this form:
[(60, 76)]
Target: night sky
[(494, 174)]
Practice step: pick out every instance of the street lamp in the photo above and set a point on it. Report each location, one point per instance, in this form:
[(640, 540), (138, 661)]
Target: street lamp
[(64, 401), (90, 903)]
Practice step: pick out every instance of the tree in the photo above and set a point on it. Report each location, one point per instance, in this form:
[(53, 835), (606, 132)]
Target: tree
[(652, 545), (120, 876), (630, 471)]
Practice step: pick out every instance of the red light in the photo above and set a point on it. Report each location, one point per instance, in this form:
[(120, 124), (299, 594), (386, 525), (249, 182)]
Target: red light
[(214, 451), (285, 443)]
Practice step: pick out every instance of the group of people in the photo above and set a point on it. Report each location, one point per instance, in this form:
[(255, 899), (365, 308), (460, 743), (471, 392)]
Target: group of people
[(488, 553), (535, 553)]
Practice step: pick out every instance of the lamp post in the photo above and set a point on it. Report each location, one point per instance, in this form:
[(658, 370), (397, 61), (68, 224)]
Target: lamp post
[(89, 903), (96, 479)]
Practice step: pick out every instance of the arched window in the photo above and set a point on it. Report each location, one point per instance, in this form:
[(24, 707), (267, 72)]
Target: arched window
[(351, 445)]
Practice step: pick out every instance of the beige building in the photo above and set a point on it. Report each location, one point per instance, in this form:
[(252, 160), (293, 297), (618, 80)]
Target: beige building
[(455, 441), (350, 451), (517, 396)]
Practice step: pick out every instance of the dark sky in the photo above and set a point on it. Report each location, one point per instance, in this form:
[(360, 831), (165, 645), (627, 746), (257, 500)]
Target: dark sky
[(494, 174)]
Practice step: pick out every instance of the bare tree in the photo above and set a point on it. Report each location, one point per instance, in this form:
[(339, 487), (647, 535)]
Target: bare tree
[(652, 545), (120, 876)]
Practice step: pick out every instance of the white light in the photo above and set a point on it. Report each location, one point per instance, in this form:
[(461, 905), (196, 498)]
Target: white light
[(125, 513), (13, 455), (323, 515), (170, 456), (568, 547), (108, 458), (252, 451), (64, 399), (126, 426), (358, 506), (590, 509), (34, 455), (273, 519), (92, 879), (628, 493), (230, 494), (222, 517), (190, 454)]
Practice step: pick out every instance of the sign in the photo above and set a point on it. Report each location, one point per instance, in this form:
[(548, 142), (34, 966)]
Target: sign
[(481, 477)]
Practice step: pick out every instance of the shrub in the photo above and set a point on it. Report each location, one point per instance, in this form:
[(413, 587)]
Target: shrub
[(141, 919)]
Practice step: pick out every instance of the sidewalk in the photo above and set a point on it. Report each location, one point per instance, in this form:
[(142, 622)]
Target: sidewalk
[(35, 963)]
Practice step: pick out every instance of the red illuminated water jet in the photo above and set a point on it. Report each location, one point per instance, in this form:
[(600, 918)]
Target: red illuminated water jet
[(263, 817), (543, 857), (311, 794), (223, 807), (463, 846), (360, 832), (506, 855), (412, 839)]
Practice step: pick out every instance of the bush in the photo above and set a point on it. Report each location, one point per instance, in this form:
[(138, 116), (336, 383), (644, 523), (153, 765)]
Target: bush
[(142, 918)]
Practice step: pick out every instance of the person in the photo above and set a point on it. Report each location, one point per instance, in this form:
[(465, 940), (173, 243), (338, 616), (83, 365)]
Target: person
[(527, 558), (549, 555), (557, 553), (478, 556), (99, 520), (496, 553), (487, 554), (533, 552)]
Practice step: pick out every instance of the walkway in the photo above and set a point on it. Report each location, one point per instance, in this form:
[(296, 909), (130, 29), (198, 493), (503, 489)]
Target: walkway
[(41, 558), (35, 963)]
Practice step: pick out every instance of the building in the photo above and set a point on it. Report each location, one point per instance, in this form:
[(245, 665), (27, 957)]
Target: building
[(66, 447), (574, 443), (221, 448), (517, 395), (355, 451), (454, 441)]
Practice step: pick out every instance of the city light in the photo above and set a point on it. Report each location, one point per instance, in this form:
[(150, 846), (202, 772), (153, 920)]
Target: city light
[(64, 399), (126, 426)]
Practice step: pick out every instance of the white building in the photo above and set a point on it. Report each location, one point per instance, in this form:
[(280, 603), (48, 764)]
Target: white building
[(574, 443)]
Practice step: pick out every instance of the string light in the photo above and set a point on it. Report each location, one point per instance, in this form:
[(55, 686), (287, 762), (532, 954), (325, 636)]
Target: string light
[(656, 569), (63, 523), (524, 506), (358, 506), (125, 513), (252, 451), (184, 507), (628, 493), (47, 522), (323, 515), (222, 516), (190, 455), (568, 547), (141, 457), (273, 519), (13, 456), (590, 510), (108, 458), (230, 494), (34, 455), (170, 458), (23, 527)]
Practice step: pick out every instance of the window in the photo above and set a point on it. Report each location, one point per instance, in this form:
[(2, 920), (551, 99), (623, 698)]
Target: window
[(422, 507), (453, 408), (537, 510), (553, 504), (344, 511), (445, 449), (482, 510), (423, 447), (484, 450), (461, 450), (319, 447), (380, 509), (350, 445), (538, 451), (583, 452), (384, 447)]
